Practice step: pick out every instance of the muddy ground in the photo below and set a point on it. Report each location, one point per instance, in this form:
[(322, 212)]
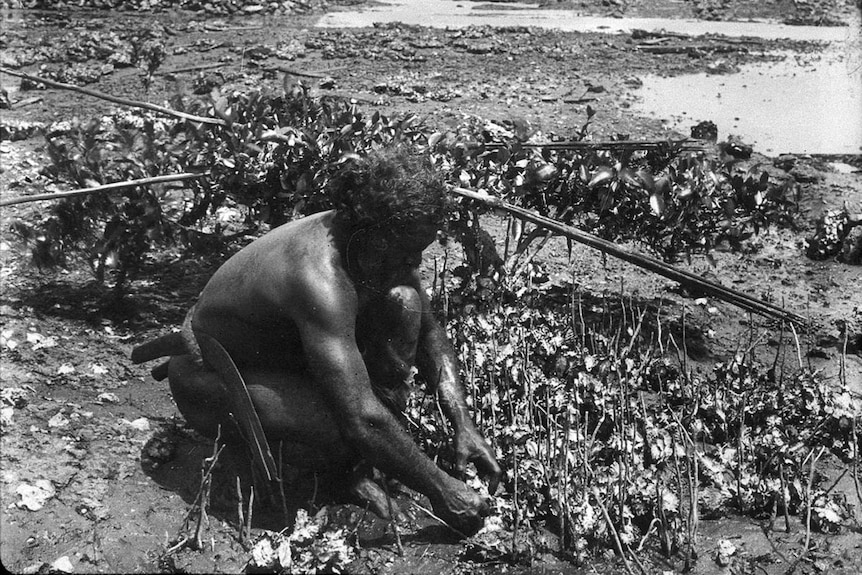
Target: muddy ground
[(122, 469)]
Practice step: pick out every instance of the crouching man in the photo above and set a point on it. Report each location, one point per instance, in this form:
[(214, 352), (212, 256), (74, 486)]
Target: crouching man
[(325, 321)]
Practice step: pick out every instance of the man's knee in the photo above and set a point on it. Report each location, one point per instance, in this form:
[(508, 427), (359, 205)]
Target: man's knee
[(403, 307), (198, 393)]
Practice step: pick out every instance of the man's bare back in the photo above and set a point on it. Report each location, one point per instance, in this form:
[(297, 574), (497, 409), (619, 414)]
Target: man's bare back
[(251, 303)]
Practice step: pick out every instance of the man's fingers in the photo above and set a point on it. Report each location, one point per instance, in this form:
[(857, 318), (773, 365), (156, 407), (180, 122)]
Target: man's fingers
[(492, 472), (488, 469), (461, 460)]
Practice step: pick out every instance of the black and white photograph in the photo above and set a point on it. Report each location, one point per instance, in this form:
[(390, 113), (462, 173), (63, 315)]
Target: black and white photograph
[(438, 287)]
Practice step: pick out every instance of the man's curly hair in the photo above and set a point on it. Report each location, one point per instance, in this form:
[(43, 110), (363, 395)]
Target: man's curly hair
[(390, 188)]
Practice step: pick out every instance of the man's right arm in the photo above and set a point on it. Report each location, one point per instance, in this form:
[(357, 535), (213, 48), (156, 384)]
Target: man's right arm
[(327, 327)]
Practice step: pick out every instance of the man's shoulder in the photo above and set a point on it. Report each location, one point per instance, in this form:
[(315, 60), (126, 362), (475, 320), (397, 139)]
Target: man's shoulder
[(301, 228), (293, 260)]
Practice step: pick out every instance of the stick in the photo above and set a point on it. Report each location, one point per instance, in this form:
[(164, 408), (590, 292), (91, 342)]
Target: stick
[(27, 102), (807, 544), (250, 514), (440, 520), (724, 293), (284, 510), (115, 99), (315, 74), (653, 49), (182, 543), (392, 521), (104, 188), (616, 538), (194, 68), (239, 513)]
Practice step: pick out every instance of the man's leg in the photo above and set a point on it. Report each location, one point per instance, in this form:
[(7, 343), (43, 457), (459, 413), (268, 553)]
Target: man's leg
[(293, 415), (388, 334), (291, 411)]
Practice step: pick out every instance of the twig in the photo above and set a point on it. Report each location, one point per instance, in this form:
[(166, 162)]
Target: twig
[(315, 74), (740, 455), (784, 502), (27, 102), (104, 188), (392, 522), (206, 486), (201, 499), (843, 380), (182, 543), (617, 543), (856, 462), (355, 531), (441, 521), (798, 347), (693, 49), (808, 497), (280, 481), (116, 99), (211, 28), (194, 68), (239, 512), (250, 513), (806, 546)]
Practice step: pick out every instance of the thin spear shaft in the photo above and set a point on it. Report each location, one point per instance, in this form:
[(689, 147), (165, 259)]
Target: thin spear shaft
[(686, 144), (104, 188), (116, 99), (656, 266)]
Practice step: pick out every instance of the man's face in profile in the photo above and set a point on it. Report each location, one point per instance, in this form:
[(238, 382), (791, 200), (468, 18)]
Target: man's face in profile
[(399, 252)]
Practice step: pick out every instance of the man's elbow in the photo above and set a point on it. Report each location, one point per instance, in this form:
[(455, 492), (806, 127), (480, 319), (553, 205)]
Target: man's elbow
[(366, 421)]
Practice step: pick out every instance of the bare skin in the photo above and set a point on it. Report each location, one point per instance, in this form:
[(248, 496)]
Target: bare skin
[(326, 326)]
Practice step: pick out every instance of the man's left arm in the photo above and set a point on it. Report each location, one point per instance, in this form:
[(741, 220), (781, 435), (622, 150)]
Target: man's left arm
[(437, 364)]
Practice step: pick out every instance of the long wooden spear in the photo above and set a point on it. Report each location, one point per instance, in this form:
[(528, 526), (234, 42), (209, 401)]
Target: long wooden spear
[(116, 100), (684, 144), (103, 188), (717, 290)]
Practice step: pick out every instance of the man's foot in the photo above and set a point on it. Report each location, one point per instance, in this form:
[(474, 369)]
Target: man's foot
[(369, 492)]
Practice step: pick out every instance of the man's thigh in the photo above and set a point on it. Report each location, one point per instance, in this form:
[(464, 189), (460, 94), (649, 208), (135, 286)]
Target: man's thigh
[(290, 408)]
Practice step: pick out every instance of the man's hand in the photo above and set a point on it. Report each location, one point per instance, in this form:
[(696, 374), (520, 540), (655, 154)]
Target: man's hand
[(460, 507), (471, 447)]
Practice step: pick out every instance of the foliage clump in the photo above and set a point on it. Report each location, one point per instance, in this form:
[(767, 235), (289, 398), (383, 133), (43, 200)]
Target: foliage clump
[(269, 157), (610, 444), (311, 547)]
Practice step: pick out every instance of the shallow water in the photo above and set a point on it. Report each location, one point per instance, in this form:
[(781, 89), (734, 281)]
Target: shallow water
[(812, 106), (455, 14), (778, 108)]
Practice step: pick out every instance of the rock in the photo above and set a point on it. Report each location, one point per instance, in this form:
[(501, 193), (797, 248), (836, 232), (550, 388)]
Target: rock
[(63, 565), (735, 148), (141, 425), (785, 162), (108, 397), (721, 67), (705, 130), (724, 553), (34, 497), (58, 420)]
